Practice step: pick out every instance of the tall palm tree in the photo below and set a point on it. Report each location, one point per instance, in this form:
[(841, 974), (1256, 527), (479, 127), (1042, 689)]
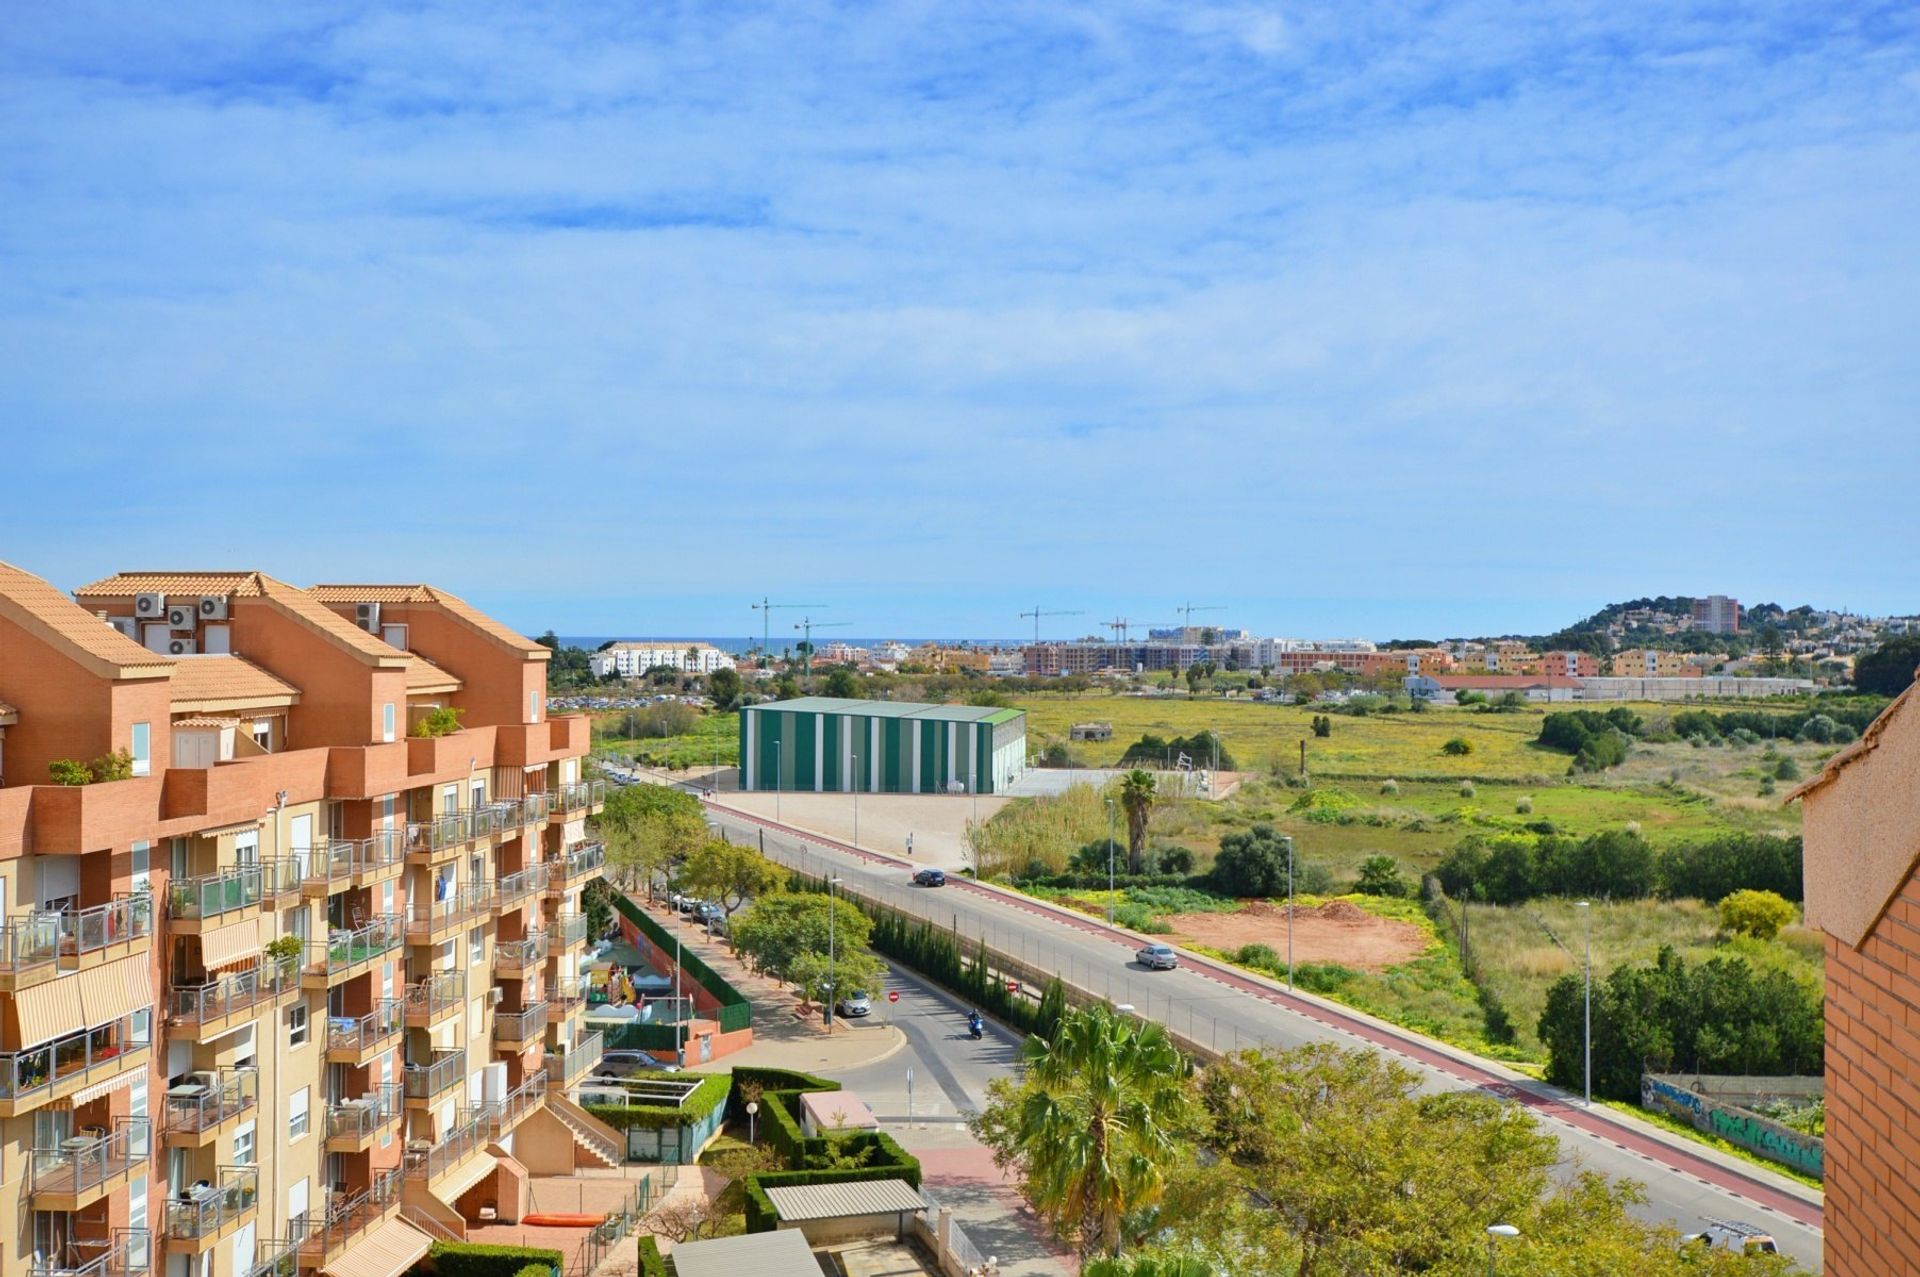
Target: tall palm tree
[(1136, 797), (1096, 1126)]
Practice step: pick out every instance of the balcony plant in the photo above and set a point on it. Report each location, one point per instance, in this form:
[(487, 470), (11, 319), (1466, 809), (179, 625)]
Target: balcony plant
[(444, 721), (67, 771)]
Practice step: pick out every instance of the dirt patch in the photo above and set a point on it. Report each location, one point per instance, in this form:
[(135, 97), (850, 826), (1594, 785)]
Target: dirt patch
[(1337, 931)]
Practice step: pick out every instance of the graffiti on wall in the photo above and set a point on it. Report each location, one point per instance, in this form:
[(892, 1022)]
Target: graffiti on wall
[(1805, 1153)]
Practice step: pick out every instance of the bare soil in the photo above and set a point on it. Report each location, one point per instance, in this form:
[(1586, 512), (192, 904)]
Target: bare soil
[(1336, 931)]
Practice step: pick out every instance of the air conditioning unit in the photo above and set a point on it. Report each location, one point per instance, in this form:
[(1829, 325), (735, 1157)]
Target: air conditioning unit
[(126, 625), (213, 607), (149, 607), (367, 617), (210, 1080), (182, 617), (182, 647), (493, 997)]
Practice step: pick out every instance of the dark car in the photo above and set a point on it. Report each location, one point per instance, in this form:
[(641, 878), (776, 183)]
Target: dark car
[(619, 1064), (930, 878)]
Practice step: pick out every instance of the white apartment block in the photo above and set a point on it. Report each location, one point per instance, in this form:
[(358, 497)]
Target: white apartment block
[(632, 658)]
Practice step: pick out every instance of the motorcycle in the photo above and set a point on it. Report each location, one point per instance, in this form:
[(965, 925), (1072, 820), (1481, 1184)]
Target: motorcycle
[(976, 1027)]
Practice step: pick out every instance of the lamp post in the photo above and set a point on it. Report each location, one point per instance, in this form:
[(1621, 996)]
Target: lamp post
[(1289, 913), (1109, 862), (826, 1011), (1586, 911), (679, 1007), (1494, 1233), (753, 1113), (776, 779)]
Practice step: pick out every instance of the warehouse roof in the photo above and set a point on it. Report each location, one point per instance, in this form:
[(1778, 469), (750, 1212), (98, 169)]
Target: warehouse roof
[(891, 709), (799, 1203), (783, 1253)]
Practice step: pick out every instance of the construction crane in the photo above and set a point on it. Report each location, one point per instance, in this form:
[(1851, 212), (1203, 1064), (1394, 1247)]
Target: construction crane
[(1120, 625), (1187, 610), (1039, 612), (766, 611), (809, 625)]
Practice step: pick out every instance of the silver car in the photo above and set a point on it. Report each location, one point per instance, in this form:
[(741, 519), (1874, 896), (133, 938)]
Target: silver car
[(1157, 957), (853, 1006)]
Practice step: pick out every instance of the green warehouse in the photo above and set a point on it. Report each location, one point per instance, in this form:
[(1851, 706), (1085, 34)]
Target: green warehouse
[(828, 745)]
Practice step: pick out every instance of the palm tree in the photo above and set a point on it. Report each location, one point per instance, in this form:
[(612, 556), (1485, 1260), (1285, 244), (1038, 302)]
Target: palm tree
[(1136, 797), (1182, 1267), (1096, 1125)]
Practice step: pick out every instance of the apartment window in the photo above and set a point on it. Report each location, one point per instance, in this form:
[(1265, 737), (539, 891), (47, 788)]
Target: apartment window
[(263, 733), (477, 794), (386, 721), (533, 707), (449, 798), (243, 1144), (297, 1024), (142, 749), (142, 867), (297, 1115), (476, 945), (296, 1207)]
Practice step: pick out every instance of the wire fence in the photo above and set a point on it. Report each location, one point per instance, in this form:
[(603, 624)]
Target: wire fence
[(959, 1245)]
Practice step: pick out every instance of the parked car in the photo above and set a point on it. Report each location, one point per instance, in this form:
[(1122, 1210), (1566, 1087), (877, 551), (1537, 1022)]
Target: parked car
[(706, 911), (930, 878), (626, 1064), (1728, 1235), (1157, 957), (853, 1006)]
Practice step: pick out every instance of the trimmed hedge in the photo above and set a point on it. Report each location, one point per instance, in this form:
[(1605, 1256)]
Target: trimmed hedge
[(735, 1011), (780, 1107), (477, 1259), (651, 1263), (893, 1162), (709, 1095)]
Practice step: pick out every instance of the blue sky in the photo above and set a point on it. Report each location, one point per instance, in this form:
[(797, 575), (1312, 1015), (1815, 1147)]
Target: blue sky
[(1353, 318)]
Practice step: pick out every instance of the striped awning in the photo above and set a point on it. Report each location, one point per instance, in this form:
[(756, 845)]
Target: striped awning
[(387, 1251), (45, 1012), (231, 945), (87, 1094), (115, 990)]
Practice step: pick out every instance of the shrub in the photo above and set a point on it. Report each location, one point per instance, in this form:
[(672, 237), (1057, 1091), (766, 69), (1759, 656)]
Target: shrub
[(114, 765), (1786, 769), (708, 1095), (1389, 786), (652, 1264), (1756, 913), (1766, 786), (1252, 863), (1173, 860), (1466, 789), (1322, 725), (66, 771), (1323, 977), (1381, 876), (1523, 805), (1457, 747), (1256, 955), (442, 721), (476, 1259), (1311, 878)]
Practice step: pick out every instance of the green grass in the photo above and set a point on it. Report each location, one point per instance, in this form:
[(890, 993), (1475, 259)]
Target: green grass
[(713, 736), (1667, 1122)]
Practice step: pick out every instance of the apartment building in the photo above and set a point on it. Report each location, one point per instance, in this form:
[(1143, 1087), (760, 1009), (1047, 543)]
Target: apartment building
[(284, 975), (1717, 614), (1647, 662), (630, 658)]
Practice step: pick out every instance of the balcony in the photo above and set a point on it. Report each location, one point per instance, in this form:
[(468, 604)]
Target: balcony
[(579, 798), (434, 999), (29, 951), (353, 1040), (197, 1112), (436, 920), (127, 1254), (85, 1169), (517, 959), (121, 927), (348, 1218), (343, 863), (275, 1257), (518, 1030), (516, 889), (568, 930), (564, 1071), (430, 842), (566, 996), (54, 1070), (206, 1010), (581, 861), (426, 1083), (469, 1136), (535, 807), (353, 1124), (345, 954), (207, 899), (201, 1216), (503, 1116)]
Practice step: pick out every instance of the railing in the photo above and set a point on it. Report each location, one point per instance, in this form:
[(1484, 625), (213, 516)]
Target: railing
[(959, 1245), (424, 1081), (128, 916), (517, 887), (281, 875), (202, 1212), (579, 795), (517, 955), (534, 807), (345, 949), (275, 1257), (581, 858), (451, 829), (570, 929), (236, 1091), (217, 999), (518, 1026), (520, 1101), (79, 1054), (340, 860), (29, 942), (384, 1021), (438, 992), (77, 1167), (361, 1117), (349, 1216), (604, 1236), (210, 895), (474, 1129), (467, 902), (564, 1070), (567, 993), (127, 1255)]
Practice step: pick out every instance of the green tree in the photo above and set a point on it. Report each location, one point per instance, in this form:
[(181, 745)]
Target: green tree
[(1756, 913), (1457, 746), (1381, 876), (729, 874), (1251, 863), (723, 689), (1094, 1128), (843, 683), (1888, 669), (776, 931), (848, 971), (1148, 1266), (1136, 799), (649, 829)]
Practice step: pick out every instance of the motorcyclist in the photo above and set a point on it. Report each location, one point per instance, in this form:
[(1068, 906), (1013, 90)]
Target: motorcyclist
[(975, 1023)]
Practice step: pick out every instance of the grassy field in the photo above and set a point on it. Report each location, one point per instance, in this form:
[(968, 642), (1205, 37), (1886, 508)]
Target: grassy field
[(713, 737)]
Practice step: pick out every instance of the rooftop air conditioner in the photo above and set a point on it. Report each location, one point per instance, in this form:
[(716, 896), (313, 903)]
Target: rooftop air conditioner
[(182, 617), (181, 647), (493, 997), (150, 607), (126, 625), (213, 607), (367, 617)]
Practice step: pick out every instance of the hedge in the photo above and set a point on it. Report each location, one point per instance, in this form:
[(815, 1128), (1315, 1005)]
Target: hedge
[(709, 1095), (735, 1011), (651, 1263), (477, 1259), (893, 1162)]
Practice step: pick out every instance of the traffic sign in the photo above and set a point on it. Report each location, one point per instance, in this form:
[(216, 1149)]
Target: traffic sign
[(1013, 986), (893, 995)]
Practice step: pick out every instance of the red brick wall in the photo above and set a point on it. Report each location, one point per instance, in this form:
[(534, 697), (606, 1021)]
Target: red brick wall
[(1873, 1097)]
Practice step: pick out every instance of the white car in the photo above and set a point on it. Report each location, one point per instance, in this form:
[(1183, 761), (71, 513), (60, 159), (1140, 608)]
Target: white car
[(1157, 957), (853, 1006)]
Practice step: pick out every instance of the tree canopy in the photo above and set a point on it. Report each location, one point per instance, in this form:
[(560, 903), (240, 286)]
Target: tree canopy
[(729, 874), (649, 829), (775, 931), (1888, 669)]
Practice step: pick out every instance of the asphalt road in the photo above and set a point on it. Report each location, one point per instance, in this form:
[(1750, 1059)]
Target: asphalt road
[(1227, 1010)]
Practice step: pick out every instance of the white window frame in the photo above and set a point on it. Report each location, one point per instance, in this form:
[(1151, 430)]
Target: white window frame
[(476, 946), (246, 1144), (299, 1118), (299, 1025), (140, 745)]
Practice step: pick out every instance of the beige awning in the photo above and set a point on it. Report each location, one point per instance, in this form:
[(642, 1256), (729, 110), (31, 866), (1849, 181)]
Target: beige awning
[(45, 1012), (230, 945), (387, 1251), (88, 1094), (116, 989)]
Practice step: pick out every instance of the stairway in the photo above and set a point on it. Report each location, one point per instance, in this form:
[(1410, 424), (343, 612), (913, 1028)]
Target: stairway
[(598, 1141), (428, 1224)]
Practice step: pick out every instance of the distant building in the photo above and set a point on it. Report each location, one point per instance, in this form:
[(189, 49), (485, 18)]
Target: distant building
[(1567, 664), (1717, 614), (1652, 663), (946, 660), (1090, 731), (828, 745), (631, 658)]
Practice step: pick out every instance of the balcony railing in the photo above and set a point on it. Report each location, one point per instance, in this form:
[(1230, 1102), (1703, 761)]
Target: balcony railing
[(350, 1215), (453, 829), (579, 860), (565, 1070), (522, 1100), (567, 993), (189, 1111), (214, 894), (127, 1254), (341, 860), (473, 1129), (88, 1053), (361, 1117), (519, 1026), (466, 903), (344, 950), (202, 1212), (424, 1081), (518, 955), (29, 942), (579, 796), (82, 1165), (535, 807), (126, 917), (570, 929), (442, 991), (243, 990), (275, 1257), (362, 1034), (517, 888)]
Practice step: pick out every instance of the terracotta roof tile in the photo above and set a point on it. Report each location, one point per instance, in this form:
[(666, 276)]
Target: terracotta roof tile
[(205, 720), (247, 585), (204, 681), (453, 604), (36, 606), (424, 676)]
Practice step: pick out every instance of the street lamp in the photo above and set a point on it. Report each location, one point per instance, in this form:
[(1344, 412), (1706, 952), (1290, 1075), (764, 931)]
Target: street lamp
[(1494, 1233), (1109, 862), (1586, 911), (776, 780), (753, 1113), (1289, 841), (826, 1011)]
